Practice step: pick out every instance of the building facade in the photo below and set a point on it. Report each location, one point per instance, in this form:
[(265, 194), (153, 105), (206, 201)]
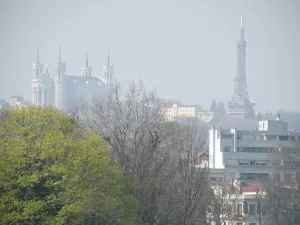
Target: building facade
[(238, 203), (254, 154), (180, 111), (65, 92), (244, 160)]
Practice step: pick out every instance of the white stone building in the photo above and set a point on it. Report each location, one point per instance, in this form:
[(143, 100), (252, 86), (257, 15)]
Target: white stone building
[(64, 91), (243, 204), (180, 111)]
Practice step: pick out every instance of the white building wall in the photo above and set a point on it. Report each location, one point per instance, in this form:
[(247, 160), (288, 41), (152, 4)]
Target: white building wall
[(216, 161)]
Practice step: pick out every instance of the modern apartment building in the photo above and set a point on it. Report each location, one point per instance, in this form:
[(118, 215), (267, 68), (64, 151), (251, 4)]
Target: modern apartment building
[(271, 149), (244, 159)]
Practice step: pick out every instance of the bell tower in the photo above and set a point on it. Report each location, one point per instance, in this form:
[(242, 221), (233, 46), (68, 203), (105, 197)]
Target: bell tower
[(108, 72), (60, 69), (37, 67), (86, 71)]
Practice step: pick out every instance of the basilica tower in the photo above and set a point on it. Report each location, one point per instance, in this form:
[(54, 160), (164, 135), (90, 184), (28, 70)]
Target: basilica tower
[(60, 69), (240, 106), (41, 84), (86, 71), (108, 72)]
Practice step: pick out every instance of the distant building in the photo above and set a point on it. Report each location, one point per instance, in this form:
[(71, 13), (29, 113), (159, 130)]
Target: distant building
[(4, 104), (17, 101), (241, 203), (181, 112), (206, 116), (254, 154), (65, 92)]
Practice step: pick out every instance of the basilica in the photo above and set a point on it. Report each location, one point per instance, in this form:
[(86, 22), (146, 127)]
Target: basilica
[(64, 91)]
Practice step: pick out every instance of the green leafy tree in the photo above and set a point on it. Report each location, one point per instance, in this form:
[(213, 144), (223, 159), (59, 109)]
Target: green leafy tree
[(51, 172)]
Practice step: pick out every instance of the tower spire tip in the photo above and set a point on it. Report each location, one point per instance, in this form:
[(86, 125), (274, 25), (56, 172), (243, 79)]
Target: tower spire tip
[(108, 60), (38, 56), (86, 58), (59, 53), (241, 21)]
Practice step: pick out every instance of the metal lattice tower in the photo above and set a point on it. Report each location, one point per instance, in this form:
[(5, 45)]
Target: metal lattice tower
[(240, 100)]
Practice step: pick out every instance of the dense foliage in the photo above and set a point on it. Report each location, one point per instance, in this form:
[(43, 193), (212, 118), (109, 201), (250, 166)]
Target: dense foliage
[(51, 172)]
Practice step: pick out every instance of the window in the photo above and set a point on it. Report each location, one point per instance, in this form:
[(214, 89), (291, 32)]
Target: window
[(226, 208), (252, 210), (276, 177), (239, 208), (243, 162), (209, 209), (227, 149), (288, 177), (260, 163), (264, 209), (252, 149), (293, 138), (254, 176), (283, 138), (226, 136), (231, 175), (245, 209)]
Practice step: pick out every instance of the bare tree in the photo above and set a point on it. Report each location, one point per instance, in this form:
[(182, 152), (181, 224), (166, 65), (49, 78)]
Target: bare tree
[(281, 187), (156, 155), (188, 190)]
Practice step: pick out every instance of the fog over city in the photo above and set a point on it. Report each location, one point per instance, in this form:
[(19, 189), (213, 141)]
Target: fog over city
[(185, 50)]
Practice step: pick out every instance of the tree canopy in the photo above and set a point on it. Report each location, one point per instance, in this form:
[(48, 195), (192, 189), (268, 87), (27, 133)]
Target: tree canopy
[(51, 172)]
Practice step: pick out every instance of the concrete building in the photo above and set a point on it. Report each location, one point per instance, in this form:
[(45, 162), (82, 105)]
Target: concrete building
[(64, 91), (254, 154)]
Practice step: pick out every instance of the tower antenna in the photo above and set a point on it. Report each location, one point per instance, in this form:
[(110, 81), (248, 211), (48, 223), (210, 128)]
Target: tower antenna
[(59, 53), (38, 56), (86, 58), (108, 60), (241, 21)]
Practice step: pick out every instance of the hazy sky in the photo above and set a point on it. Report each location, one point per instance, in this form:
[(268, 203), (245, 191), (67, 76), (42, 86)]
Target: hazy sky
[(184, 49)]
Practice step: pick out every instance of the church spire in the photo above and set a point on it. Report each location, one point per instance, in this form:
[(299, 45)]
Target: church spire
[(108, 70), (46, 69), (60, 66), (86, 71)]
